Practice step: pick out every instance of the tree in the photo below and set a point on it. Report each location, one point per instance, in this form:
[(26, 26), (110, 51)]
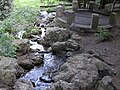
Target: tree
[(113, 5), (6, 6)]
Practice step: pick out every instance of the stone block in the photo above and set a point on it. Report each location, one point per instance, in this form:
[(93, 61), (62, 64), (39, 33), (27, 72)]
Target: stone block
[(75, 5), (113, 19), (70, 17), (59, 11), (91, 5), (95, 21)]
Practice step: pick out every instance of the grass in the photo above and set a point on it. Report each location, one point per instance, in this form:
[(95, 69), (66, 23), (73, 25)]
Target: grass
[(26, 3), (33, 3)]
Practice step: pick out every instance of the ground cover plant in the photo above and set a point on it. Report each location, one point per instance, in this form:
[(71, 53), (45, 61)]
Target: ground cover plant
[(21, 18), (103, 34)]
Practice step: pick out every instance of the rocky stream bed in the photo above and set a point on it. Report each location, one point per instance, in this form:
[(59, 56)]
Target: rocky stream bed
[(54, 60)]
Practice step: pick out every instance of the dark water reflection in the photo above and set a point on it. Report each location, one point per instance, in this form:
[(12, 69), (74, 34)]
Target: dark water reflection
[(51, 65)]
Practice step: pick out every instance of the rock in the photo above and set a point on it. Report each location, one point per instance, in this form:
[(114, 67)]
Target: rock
[(35, 31), (27, 35), (62, 85), (7, 79), (69, 45), (78, 70), (58, 47), (25, 61), (37, 60), (65, 76), (23, 85), (23, 46), (106, 84), (82, 71), (103, 68), (72, 45), (3, 89), (26, 64), (69, 54), (32, 33), (46, 79), (10, 64), (76, 37), (55, 34)]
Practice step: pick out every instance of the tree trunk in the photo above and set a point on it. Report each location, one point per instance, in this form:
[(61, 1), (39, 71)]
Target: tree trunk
[(79, 4), (6, 6), (113, 5)]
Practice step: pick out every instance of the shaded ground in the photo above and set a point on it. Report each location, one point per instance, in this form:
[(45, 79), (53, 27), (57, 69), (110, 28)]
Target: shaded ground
[(109, 51)]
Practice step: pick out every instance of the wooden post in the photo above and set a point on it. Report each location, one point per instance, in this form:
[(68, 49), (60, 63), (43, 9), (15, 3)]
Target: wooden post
[(95, 21)]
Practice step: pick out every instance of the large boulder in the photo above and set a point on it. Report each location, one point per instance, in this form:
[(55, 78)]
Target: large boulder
[(23, 85), (72, 45), (82, 70), (37, 60), (69, 45), (10, 64), (58, 47), (55, 34), (76, 37), (28, 61), (7, 79), (3, 89), (25, 61), (23, 46), (106, 84), (26, 64), (9, 71), (63, 85)]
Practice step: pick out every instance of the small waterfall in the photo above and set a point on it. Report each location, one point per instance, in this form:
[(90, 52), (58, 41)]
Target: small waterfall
[(43, 32), (20, 34)]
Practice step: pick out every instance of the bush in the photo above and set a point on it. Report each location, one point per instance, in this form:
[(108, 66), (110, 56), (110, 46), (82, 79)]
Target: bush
[(20, 19), (7, 26), (7, 47), (103, 34)]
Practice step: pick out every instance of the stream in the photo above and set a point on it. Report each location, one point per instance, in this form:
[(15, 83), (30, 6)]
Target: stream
[(41, 76), (51, 65)]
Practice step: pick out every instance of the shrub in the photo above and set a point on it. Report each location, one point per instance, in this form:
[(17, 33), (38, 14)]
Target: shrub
[(103, 34), (7, 47)]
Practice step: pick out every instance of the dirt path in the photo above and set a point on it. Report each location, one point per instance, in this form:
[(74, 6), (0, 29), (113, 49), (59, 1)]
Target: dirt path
[(109, 51)]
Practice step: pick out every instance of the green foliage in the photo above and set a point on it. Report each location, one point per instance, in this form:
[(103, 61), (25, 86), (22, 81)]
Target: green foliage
[(6, 6), (103, 34), (31, 31), (7, 26), (25, 15), (26, 3), (7, 47), (22, 18)]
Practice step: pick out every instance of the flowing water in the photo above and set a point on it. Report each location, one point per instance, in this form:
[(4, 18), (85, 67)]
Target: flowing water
[(40, 76), (51, 65)]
